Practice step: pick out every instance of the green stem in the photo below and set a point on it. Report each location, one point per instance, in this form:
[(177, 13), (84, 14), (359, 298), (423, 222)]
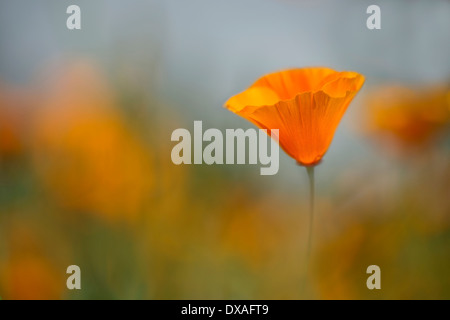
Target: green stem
[(310, 171)]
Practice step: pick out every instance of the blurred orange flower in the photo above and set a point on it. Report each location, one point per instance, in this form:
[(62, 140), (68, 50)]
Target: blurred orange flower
[(87, 156), (14, 117), (411, 116), (27, 269), (306, 106)]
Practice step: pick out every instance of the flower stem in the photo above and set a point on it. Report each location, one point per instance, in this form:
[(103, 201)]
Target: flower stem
[(310, 171)]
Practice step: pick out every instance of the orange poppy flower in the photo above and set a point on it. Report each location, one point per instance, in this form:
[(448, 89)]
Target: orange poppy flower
[(305, 104)]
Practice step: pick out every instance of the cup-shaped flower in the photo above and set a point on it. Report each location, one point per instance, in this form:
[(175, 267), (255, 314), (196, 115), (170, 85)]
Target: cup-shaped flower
[(305, 105)]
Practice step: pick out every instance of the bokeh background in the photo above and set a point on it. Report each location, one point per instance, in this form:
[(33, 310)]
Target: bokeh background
[(86, 176)]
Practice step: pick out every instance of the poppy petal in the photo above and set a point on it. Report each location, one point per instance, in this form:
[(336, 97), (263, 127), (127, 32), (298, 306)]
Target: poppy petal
[(256, 96), (337, 85), (288, 83)]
